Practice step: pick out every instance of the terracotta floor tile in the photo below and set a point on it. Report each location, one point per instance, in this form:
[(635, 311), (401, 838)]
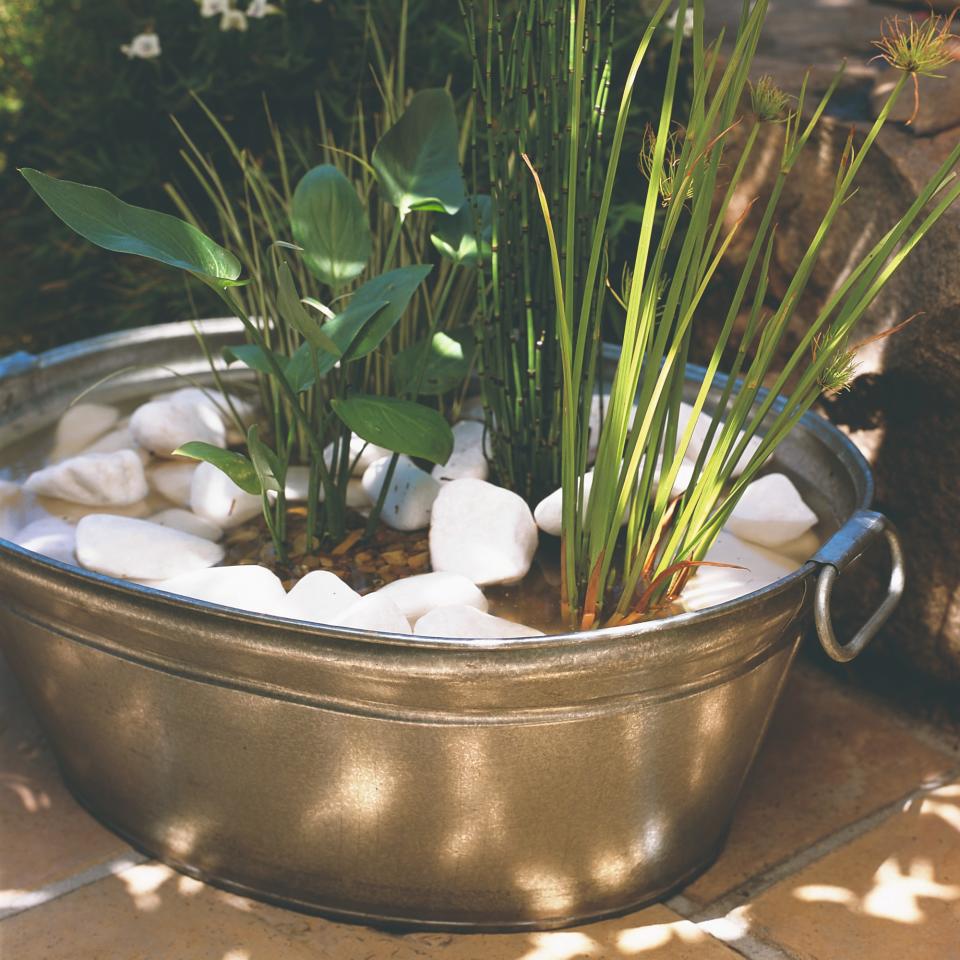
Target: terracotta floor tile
[(893, 894), (152, 913), (46, 837), (828, 761)]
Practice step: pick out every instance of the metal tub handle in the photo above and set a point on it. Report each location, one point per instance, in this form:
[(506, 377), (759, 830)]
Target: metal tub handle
[(836, 555)]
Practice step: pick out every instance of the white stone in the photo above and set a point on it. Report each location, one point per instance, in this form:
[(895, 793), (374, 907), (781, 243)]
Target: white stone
[(161, 426), (173, 480), (357, 498), (80, 426), (318, 597), (771, 512), (681, 481), (93, 479), (410, 496), (51, 537), (418, 595), (468, 623), (118, 439), (140, 550), (188, 522), (468, 458), (482, 531), (548, 513), (216, 498), (699, 438), (296, 489), (373, 612), (246, 587), (758, 567), (362, 455)]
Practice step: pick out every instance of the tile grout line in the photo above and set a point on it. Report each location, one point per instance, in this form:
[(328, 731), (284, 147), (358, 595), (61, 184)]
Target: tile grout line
[(733, 932), (19, 901), (724, 906)]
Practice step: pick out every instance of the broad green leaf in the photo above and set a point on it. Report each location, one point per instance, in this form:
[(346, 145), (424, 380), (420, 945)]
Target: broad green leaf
[(416, 160), (398, 425), (297, 370), (330, 223), (292, 312), (466, 237), (251, 356), (270, 471), (438, 365), (235, 465), (374, 309), (110, 223), (300, 370)]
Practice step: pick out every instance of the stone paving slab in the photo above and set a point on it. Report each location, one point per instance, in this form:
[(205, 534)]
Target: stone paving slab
[(45, 838), (846, 843), (894, 894)]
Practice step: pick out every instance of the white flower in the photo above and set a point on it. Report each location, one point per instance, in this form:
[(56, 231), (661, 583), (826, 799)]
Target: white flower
[(146, 46), (260, 8), (213, 8), (671, 22), (233, 20)]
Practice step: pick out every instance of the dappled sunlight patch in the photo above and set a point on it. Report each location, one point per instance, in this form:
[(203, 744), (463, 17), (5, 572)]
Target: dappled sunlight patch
[(31, 799), (562, 945), (640, 940), (143, 884)]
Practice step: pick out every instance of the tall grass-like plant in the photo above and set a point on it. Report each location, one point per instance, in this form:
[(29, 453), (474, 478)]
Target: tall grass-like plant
[(614, 575), (529, 100)]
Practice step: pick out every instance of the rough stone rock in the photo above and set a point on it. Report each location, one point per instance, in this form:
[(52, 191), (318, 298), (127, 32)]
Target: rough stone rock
[(161, 426), (373, 612), (216, 498), (469, 623), (482, 531), (771, 512), (939, 101), (51, 537), (901, 409), (246, 587), (318, 597), (187, 522), (751, 568), (410, 496), (418, 595), (140, 550), (80, 426), (93, 479), (173, 480), (468, 458)]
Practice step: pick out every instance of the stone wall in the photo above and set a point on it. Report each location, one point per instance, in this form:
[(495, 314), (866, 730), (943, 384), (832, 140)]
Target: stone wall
[(904, 408)]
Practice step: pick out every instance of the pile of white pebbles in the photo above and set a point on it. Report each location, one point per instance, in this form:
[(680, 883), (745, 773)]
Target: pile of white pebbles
[(113, 500)]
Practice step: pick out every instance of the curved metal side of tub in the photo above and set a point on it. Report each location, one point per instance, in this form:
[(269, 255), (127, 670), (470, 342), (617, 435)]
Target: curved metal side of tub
[(386, 779)]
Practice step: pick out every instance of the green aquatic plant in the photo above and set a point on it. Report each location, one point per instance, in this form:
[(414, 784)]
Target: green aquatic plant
[(628, 544)]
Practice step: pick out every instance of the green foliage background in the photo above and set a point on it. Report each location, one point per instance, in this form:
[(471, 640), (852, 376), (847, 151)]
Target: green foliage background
[(73, 105)]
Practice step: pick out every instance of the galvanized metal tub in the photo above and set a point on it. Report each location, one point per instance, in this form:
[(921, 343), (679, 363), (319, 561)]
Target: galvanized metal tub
[(455, 784)]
